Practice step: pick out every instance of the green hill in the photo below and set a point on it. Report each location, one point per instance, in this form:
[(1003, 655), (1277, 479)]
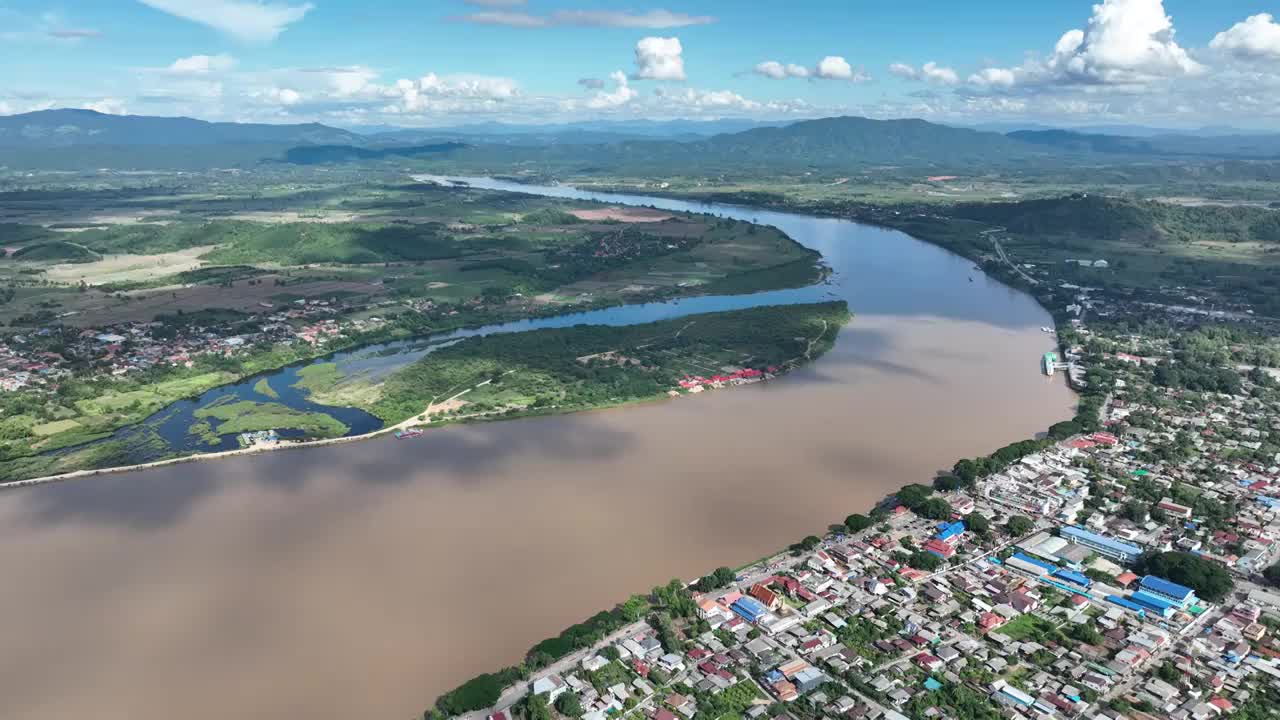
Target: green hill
[(68, 127), (56, 251)]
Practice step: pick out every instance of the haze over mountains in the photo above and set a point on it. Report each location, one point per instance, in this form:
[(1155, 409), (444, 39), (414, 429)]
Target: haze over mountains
[(70, 139)]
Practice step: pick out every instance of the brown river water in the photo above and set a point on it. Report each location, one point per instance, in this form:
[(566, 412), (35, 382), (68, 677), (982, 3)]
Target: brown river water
[(361, 580)]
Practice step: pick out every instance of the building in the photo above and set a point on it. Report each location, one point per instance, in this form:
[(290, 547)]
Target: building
[(1179, 596), (749, 609), (1103, 545), (1028, 564)]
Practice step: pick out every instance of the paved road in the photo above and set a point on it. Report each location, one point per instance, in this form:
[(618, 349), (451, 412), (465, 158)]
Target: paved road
[(516, 693), (1005, 257)]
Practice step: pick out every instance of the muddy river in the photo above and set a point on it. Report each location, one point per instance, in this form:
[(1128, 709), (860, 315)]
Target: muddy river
[(360, 580)]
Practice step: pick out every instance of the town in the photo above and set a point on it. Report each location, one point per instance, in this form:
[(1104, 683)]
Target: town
[(1122, 567)]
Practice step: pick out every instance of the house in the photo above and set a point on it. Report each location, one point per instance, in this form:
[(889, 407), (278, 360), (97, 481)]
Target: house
[(553, 686), (671, 663)]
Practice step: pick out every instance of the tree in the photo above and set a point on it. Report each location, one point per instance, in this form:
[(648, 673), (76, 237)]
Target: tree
[(966, 470), (807, 544), (569, 705), (934, 509), (635, 608), (924, 561), (535, 708), (1272, 574), (947, 483), (857, 523), (1209, 579), (912, 496), (1019, 525), (978, 523)]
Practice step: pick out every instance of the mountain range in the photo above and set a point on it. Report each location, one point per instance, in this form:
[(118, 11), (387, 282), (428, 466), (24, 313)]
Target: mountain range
[(74, 139)]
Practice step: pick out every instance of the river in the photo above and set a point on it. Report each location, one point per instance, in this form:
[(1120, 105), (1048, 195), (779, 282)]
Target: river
[(360, 580)]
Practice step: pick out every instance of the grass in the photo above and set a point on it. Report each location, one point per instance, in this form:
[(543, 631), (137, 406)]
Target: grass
[(147, 400), (1025, 626), (263, 387), (318, 378), (248, 416), (55, 427)]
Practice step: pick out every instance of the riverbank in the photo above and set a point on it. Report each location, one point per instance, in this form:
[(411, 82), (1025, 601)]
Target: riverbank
[(320, 560), (746, 333)]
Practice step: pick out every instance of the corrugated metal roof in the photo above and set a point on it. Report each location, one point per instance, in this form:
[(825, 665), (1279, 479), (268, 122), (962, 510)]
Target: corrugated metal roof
[(1166, 587)]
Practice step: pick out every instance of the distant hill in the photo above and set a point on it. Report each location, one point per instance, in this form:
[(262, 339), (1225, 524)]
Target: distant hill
[(63, 128), (834, 144), (1170, 146), (324, 154)]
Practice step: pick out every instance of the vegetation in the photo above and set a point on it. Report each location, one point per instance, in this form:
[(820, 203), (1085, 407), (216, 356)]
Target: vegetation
[(248, 416), (1209, 579), (558, 370)]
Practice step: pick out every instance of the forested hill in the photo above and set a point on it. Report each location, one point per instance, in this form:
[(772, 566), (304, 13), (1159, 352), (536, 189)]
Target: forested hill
[(834, 144), (63, 128), (1116, 219)]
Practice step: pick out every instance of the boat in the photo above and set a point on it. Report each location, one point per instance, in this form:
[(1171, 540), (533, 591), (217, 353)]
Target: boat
[(408, 433)]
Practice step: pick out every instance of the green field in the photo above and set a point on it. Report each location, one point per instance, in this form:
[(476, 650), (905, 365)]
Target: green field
[(562, 370), (248, 416)]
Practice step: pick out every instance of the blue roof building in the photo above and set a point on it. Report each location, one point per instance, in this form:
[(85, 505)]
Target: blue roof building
[(1040, 563), (1110, 547), (1126, 604), (1178, 595), (951, 530), (749, 608), (1153, 603), (1073, 577)]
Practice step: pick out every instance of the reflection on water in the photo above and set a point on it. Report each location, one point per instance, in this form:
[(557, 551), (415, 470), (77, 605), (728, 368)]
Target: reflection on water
[(361, 580)]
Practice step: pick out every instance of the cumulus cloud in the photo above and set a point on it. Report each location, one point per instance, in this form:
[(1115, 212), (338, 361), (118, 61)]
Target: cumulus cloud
[(834, 67), (659, 58), (620, 95), (107, 106), (246, 20), (202, 64), (1126, 42), (279, 96), (1255, 38), (829, 68), (930, 72), (778, 71), (651, 20), (591, 83)]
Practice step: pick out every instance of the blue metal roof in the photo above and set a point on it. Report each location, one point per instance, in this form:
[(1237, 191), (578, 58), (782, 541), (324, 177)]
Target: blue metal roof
[(1155, 602), (749, 608), (950, 530), (1111, 543), (1038, 563), (1074, 577), (1160, 586), (1127, 604)]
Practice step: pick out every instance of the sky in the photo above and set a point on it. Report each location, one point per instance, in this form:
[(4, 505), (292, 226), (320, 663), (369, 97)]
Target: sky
[(423, 63)]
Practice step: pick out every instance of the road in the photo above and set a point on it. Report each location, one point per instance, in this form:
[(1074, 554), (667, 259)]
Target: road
[(516, 693), (1005, 258)]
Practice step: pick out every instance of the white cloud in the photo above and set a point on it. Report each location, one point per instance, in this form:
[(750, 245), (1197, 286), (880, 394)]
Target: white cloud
[(591, 83), (659, 58), (202, 64), (507, 18), (994, 77), (930, 72), (619, 96), (1127, 42), (247, 20), (778, 71), (834, 67), (651, 20), (107, 106), (831, 67), (1255, 38)]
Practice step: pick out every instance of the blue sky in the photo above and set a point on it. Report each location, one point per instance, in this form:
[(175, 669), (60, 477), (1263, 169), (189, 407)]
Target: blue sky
[(439, 62)]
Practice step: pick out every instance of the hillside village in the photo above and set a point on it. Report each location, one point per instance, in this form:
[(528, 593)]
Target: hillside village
[(1121, 568)]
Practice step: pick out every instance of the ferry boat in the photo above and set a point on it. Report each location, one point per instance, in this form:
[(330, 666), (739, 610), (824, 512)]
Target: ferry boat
[(408, 433)]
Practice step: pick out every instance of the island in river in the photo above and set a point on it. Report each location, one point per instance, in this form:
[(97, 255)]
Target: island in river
[(121, 351), (362, 568)]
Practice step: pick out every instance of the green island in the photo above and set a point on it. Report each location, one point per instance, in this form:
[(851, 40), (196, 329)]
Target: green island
[(263, 387), (191, 286), (590, 366), (247, 416)]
